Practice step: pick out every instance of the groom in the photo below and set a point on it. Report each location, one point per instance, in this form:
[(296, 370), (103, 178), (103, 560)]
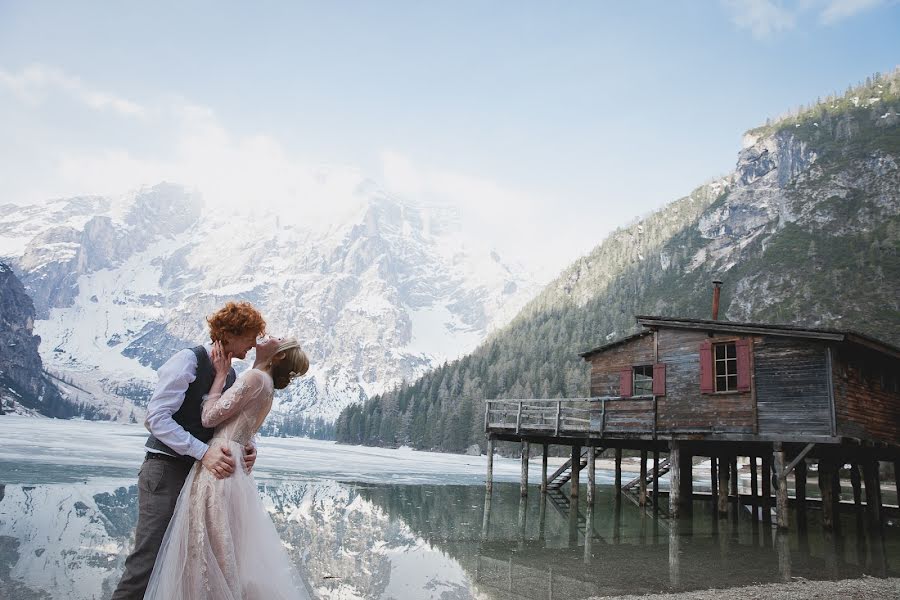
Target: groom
[(178, 438)]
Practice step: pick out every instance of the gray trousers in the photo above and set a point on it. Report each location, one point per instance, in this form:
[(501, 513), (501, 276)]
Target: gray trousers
[(159, 483)]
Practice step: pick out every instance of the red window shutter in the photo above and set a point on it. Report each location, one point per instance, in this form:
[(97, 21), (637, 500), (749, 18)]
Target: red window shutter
[(659, 379), (626, 382), (706, 368), (743, 364)]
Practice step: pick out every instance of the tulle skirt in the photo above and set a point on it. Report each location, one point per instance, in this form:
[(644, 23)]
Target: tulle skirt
[(222, 545)]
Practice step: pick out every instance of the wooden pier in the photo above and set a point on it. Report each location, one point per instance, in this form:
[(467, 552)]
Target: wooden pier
[(787, 399)]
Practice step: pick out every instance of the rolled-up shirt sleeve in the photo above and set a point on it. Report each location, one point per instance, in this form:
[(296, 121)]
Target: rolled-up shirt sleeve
[(174, 378)]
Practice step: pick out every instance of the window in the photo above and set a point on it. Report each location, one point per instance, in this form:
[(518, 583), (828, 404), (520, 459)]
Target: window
[(643, 380), (726, 367)]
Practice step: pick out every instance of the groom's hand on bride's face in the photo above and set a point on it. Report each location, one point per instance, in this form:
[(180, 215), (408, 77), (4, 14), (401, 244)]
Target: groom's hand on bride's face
[(249, 457), (219, 462)]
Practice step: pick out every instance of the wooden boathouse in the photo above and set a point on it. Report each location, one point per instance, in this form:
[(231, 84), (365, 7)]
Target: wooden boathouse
[(786, 398)]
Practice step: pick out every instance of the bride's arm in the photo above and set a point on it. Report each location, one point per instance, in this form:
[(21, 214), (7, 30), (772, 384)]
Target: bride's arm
[(218, 407)]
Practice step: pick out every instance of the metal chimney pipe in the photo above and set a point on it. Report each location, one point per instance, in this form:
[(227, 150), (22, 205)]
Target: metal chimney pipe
[(717, 290)]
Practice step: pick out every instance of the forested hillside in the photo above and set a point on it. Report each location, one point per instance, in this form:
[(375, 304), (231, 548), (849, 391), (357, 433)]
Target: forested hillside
[(805, 230)]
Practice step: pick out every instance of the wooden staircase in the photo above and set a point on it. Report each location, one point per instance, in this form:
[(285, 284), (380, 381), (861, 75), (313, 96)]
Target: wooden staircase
[(664, 467), (563, 474)]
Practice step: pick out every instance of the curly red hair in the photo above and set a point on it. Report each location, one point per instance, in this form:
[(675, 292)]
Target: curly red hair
[(235, 319)]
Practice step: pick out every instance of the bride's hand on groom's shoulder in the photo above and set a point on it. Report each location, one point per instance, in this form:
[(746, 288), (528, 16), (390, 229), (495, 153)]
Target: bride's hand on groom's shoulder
[(221, 361), (219, 462)]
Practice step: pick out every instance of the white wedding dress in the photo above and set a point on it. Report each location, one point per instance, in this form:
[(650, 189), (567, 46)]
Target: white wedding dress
[(221, 544)]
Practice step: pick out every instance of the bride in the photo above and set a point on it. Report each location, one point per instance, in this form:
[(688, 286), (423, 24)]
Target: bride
[(221, 543)]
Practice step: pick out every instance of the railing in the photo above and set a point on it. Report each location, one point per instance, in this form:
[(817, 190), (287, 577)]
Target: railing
[(572, 415)]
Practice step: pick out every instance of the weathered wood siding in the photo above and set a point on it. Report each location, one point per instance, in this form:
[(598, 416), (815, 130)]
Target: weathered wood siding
[(684, 408), (791, 377), (866, 405), (607, 365)]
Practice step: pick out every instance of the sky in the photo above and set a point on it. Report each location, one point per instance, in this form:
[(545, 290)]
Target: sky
[(549, 124)]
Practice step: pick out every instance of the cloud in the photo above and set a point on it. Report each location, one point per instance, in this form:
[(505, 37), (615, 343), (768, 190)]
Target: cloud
[(837, 10), (33, 84), (762, 17), (766, 18)]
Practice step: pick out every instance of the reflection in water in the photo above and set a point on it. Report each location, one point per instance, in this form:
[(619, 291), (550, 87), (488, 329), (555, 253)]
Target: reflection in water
[(69, 540)]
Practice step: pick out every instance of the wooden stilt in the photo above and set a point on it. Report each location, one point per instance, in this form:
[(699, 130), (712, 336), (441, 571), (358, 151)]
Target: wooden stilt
[(588, 531), (781, 493), (826, 481), (714, 481), (873, 492), (836, 495), (592, 476), (766, 488), (897, 479), (674, 546), (618, 470), (576, 471), (800, 492), (489, 483), (542, 517), (523, 487), (655, 480), (486, 516), (856, 482), (754, 489), (723, 486), (545, 448), (733, 478), (681, 492), (642, 486), (783, 548)]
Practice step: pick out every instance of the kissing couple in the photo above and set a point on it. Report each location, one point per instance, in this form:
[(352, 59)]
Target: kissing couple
[(202, 531)]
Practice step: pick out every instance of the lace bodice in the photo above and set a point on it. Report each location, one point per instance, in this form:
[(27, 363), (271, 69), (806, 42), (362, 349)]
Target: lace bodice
[(240, 411)]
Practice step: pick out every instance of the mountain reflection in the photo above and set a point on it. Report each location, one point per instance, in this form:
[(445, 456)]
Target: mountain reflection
[(433, 541)]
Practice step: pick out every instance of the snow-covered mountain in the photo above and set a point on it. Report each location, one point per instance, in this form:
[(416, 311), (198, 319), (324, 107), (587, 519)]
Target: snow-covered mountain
[(377, 289)]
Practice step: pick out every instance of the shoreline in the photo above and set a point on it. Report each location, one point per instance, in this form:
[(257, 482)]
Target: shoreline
[(864, 588)]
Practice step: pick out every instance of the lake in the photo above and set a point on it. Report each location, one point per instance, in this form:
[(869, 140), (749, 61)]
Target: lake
[(378, 523)]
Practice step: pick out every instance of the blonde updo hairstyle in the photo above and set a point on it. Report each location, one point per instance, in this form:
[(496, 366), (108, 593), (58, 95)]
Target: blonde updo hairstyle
[(293, 363)]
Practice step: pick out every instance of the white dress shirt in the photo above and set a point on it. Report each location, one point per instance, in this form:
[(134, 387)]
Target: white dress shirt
[(174, 378)]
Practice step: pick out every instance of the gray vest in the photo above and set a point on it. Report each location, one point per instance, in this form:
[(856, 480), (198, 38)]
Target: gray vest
[(189, 415)]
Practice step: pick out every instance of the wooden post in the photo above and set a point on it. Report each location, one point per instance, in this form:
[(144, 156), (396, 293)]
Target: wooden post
[(486, 516), (734, 480), (618, 470), (714, 481), (754, 489), (781, 494), (826, 481), (523, 488), (674, 542), (681, 492), (766, 488), (873, 492), (856, 482), (642, 494), (576, 470), (592, 474), (723, 486), (655, 479), (489, 483), (897, 479), (588, 531), (783, 548), (836, 494), (546, 447), (800, 492)]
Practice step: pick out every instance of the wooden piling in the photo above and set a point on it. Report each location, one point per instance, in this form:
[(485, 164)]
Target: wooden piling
[(681, 484), (856, 482), (826, 483), (618, 470), (655, 479), (576, 471), (489, 483), (766, 476), (642, 489), (523, 487), (873, 492), (545, 448), (800, 492), (592, 476), (897, 479), (714, 481), (734, 480), (754, 488), (723, 486), (781, 493)]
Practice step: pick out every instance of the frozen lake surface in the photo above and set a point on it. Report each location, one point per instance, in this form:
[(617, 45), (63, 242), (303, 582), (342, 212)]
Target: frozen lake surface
[(395, 524)]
